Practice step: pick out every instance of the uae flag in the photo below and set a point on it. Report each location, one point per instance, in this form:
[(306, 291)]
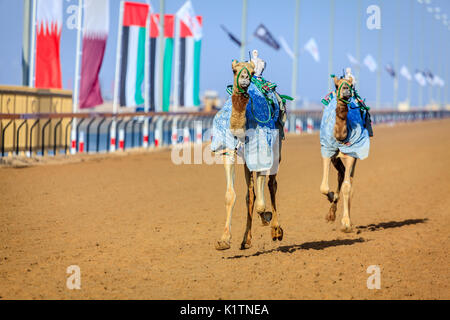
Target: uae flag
[(49, 16), (187, 57), (155, 53), (132, 67), (95, 33)]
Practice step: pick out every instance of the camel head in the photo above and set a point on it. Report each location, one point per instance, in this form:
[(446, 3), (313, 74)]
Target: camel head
[(343, 88), (243, 73), (343, 95)]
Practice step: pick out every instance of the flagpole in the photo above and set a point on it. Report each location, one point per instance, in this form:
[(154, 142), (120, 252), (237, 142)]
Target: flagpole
[(396, 68), (162, 4), (147, 79), (440, 66), (411, 13), (331, 44), (421, 56), (76, 82), (27, 21), (243, 29), (358, 43), (33, 46), (380, 43), (447, 81), (176, 71), (296, 54), (432, 62), (112, 142)]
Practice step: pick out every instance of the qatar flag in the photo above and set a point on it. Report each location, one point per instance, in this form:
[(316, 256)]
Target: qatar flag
[(49, 21), (95, 34)]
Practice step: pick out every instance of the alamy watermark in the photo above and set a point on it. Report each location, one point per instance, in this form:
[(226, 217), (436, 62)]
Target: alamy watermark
[(74, 280), (374, 280), (259, 148), (374, 20)]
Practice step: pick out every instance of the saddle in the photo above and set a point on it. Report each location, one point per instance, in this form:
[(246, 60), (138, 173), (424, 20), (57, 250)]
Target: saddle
[(267, 88), (363, 108)]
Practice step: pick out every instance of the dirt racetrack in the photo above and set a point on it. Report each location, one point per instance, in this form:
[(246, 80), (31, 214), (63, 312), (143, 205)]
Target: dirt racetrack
[(140, 227)]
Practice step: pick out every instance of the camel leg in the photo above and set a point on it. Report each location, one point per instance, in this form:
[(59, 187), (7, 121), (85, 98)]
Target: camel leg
[(276, 230), (230, 199), (324, 186), (349, 163), (260, 205), (247, 241), (337, 163)]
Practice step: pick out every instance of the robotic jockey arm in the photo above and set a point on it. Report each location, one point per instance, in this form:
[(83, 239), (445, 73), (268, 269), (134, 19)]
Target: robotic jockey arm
[(259, 63), (349, 75)]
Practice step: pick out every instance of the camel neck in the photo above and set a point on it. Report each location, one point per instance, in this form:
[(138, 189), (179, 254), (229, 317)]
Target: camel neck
[(239, 101), (340, 126), (341, 110), (239, 105)]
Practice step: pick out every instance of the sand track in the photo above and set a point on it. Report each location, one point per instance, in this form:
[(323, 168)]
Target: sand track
[(141, 227)]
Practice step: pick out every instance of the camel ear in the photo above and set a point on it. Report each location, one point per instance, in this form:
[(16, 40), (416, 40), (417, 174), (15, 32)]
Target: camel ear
[(336, 81), (350, 81), (234, 64), (252, 64)]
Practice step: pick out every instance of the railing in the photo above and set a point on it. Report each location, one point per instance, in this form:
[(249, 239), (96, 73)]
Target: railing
[(51, 133)]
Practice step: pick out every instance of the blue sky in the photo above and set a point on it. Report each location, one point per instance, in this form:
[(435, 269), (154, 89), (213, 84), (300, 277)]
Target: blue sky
[(278, 16)]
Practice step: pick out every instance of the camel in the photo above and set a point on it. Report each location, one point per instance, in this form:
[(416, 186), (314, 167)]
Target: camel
[(350, 142), (243, 72)]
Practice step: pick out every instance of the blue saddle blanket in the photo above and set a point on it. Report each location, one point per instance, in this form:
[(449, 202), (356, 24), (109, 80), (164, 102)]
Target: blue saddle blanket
[(261, 134), (357, 143)]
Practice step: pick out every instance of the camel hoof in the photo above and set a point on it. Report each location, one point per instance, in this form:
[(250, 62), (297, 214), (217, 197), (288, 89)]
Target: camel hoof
[(246, 245), (347, 228), (266, 217), (222, 245), (330, 196), (331, 216), (277, 233)]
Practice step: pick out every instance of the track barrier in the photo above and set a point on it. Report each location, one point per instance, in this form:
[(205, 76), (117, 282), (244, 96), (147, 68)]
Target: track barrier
[(39, 134)]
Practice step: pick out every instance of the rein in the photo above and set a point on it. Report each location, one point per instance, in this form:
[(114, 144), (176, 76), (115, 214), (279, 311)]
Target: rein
[(237, 80), (339, 92)]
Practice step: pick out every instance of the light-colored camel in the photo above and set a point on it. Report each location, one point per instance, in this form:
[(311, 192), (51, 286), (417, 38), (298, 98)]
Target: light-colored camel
[(243, 71), (344, 164)]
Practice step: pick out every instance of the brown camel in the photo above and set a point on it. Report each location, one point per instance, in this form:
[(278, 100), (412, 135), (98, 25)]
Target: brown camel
[(344, 164), (243, 71)]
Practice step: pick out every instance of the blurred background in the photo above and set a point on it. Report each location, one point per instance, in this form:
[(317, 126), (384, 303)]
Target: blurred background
[(413, 34)]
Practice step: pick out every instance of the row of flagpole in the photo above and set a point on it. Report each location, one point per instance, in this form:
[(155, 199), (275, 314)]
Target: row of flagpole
[(30, 15), (436, 62)]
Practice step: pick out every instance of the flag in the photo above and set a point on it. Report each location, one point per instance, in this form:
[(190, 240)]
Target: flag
[(405, 72), (370, 63), (186, 14), (287, 48), (132, 67), (48, 38), (95, 34), (231, 36), (263, 34), (390, 69), (311, 47), (187, 57), (429, 77), (419, 76), (155, 52), (352, 60), (438, 81)]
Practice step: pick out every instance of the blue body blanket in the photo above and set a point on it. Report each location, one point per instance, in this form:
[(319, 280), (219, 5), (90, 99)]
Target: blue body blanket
[(261, 133), (357, 143)]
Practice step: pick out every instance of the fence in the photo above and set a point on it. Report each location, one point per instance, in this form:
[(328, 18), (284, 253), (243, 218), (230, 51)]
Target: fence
[(49, 133)]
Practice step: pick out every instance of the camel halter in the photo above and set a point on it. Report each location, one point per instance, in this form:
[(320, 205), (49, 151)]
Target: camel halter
[(338, 93), (251, 100), (237, 80)]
